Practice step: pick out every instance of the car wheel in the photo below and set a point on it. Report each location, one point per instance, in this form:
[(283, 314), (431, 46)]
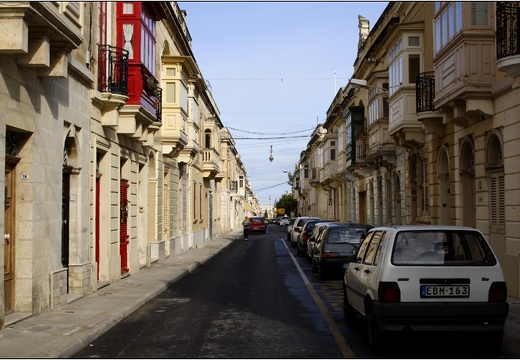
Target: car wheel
[(375, 334), (349, 313), (314, 266), (494, 343), (303, 253), (322, 273)]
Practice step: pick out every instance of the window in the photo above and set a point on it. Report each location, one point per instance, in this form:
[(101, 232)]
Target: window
[(423, 185), (147, 39), (479, 13), (170, 92), (455, 248), (396, 64), (372, 248), (414, 67), (333, 150), (414, 41), (448, 22), (207, 142), (363, 248), (497, 193)]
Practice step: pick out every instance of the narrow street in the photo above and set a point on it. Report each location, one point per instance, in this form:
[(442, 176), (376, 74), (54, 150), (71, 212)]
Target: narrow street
[(256, 299), (247, 302)]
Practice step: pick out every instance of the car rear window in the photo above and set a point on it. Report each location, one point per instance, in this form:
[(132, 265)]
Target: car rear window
[(342, 235), (256, 220), (465, 248)]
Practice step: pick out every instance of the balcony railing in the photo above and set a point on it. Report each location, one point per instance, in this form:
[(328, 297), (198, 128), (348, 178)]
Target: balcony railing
[(425, 92), (361, 148), (508, 31), (158, 105), (113, 69)]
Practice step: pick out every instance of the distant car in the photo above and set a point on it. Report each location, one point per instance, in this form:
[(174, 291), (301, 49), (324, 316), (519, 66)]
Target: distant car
[(427, 279), (297, 227), (257, 224), (289, 229), (284, 220), (337, 246)]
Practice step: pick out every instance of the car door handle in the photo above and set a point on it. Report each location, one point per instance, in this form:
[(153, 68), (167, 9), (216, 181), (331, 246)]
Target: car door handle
[(367, 271), (356, 268)]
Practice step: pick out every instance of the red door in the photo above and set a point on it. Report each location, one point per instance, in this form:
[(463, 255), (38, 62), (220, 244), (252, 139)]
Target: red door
[(98, 192), (123, 237)]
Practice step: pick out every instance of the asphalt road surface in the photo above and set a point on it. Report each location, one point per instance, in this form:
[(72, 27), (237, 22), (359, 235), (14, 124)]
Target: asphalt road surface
[(257, 299)]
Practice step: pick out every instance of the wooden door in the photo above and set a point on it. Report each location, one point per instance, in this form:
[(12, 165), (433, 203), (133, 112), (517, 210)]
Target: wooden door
[(9, 238)]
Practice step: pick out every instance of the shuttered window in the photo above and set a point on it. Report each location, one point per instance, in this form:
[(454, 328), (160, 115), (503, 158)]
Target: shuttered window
[(479, 13), (498, 209), (423, 183)]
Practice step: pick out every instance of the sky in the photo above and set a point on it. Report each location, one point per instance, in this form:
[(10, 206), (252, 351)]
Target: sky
[(273, 70)]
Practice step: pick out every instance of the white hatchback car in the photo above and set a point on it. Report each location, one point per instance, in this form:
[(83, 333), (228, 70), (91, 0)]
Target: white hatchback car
[(284, 220), (426, 278)]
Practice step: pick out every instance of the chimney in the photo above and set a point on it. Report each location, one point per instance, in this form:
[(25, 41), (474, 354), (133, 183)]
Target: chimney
[(364, 29)]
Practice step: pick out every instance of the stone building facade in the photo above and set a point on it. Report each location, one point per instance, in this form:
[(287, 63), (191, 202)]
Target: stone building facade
[(427, 129), (114, 151)]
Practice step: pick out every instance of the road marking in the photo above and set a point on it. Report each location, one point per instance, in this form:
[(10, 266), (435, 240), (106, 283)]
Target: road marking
[(338, 336)]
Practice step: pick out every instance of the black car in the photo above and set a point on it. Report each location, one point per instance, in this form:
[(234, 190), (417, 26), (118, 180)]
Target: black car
[(337, 246)]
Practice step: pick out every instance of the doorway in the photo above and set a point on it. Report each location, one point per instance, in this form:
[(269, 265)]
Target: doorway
[(9, 235)]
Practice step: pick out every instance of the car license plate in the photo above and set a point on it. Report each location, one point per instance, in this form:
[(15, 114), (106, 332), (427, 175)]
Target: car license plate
[(444, 291)]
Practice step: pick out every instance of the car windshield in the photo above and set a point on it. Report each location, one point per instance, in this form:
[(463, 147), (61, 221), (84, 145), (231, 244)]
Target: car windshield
[(442, 248), (346, 235)]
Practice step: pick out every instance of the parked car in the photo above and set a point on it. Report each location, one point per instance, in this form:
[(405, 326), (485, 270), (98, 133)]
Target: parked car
[(289, 229), (337, 246), (297, 227), (312, 242), (305, 234), (284, 220), (257, 224), (427, 278)]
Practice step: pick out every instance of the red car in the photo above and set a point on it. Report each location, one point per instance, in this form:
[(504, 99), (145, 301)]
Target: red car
[(257, 224)]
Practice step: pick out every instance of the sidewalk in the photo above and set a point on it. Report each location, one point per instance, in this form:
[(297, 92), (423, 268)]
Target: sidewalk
[(63, 332)]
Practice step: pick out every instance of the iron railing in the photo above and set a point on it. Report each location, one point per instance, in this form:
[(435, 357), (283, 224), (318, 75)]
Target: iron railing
[(425, 92), (158, 105), (508, 31), (113, 69)]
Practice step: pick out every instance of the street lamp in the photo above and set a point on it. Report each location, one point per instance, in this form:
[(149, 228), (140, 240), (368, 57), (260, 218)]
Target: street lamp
[(361, 83)]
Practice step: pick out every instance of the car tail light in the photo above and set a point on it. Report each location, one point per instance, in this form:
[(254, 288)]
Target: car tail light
[(389, 292), (329, 255), (497, 292), (297, 230), (305, 237)]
